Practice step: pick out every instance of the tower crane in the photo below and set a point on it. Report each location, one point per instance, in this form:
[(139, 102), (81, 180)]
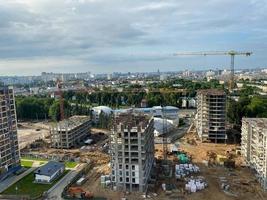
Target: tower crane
[(61, 99), (223, 53)]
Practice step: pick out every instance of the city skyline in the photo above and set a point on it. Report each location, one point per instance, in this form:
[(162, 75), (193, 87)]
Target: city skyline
[(125, 36)]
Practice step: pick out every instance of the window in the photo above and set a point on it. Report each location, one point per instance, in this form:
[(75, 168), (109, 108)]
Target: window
[(133, 167), (133, 180), (133, 173)]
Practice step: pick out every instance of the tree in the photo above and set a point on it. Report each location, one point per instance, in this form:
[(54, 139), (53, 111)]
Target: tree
[(54, 110)]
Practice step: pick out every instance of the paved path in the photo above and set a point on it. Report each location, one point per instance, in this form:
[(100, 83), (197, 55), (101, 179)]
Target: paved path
[(13, 179), (55, 192)]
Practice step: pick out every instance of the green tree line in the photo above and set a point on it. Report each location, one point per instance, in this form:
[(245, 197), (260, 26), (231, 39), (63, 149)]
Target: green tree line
[(246, 106), (133, 95), (38, 108)]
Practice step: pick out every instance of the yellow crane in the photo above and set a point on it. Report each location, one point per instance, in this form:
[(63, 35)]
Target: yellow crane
[(224, 53)]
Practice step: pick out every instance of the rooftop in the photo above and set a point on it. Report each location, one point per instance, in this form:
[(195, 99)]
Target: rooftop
[(72, 122), (211, 92), (129, 120), (50, 168), (257, 122)]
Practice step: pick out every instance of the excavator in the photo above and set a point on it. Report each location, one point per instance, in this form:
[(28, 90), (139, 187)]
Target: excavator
[(77, 192)]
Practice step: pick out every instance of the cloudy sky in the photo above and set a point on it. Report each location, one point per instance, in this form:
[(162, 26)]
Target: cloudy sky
[(128, 35)]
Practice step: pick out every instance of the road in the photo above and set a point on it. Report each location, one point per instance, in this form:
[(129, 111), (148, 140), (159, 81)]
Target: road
[(55, 192)]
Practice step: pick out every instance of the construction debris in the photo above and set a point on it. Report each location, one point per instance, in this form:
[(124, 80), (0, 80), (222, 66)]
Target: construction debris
[(183, 170), (195, 184)]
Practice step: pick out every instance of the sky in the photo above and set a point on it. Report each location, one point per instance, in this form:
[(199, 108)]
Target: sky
[(104, 36)]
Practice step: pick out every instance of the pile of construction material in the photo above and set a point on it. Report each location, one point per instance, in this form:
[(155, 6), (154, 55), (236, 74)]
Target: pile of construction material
[(195, 184), (183, 170), (105, 180)]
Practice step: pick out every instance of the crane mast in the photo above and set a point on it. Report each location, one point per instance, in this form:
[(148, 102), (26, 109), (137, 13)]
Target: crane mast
[(61, 100), (225, 53)]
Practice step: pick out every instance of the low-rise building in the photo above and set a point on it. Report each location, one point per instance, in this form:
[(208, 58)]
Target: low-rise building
[(97, 111), (49, 172), (70, 133), (254, 146)]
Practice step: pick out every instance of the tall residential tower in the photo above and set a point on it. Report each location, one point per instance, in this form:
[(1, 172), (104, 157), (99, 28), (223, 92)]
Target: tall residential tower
[(254, 146), (9, 149), (211, 115), (132, 151)]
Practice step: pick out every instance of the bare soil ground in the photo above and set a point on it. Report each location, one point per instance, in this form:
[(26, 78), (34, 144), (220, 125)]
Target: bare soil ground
[(243, 185), (29, 132)]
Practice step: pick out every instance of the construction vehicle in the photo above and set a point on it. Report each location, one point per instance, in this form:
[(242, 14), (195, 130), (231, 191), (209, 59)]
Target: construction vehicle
[(77, 192), (218, 53)]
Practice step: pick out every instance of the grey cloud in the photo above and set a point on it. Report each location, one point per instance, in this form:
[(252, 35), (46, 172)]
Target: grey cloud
[(107, 32)]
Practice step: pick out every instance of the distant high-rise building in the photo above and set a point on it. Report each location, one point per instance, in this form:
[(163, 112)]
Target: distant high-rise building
[(211, 115), (9, 148), (163, 77), (132, 151)]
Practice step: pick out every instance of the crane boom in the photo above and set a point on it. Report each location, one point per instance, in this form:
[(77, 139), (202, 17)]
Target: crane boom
[(215, 53), (206, 53)]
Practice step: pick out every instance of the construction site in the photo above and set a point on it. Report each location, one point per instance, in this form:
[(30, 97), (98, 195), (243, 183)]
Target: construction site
[(125, 162), (190, 169)]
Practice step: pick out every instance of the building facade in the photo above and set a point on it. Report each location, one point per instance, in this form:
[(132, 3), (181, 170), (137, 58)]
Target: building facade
[(132, 151), (9, 149), (70, 133), (49, 172), (254, 146), (211, 115)]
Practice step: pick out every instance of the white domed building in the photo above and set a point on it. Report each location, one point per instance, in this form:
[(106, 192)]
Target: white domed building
[(96, 111)]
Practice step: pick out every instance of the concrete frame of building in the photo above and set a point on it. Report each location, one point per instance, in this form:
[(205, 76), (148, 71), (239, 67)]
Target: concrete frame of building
[(211, 115), (66, 134), (132, 152), (254, 146)]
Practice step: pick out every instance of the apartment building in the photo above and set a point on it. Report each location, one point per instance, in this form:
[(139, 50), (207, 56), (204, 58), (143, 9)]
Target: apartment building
[(70, 133), (9, 149), (132, 151), (211, 115), (254, 146)]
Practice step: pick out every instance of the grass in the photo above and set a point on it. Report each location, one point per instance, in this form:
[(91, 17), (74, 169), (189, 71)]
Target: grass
[(26, 163), (34, 159), (26, 186), (70, 164)]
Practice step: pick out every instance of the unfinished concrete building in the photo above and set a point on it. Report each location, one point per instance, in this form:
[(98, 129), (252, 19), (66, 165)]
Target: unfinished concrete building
[(211, 114), (254, 146), (132, 151), (9, 149), (70, 133)]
